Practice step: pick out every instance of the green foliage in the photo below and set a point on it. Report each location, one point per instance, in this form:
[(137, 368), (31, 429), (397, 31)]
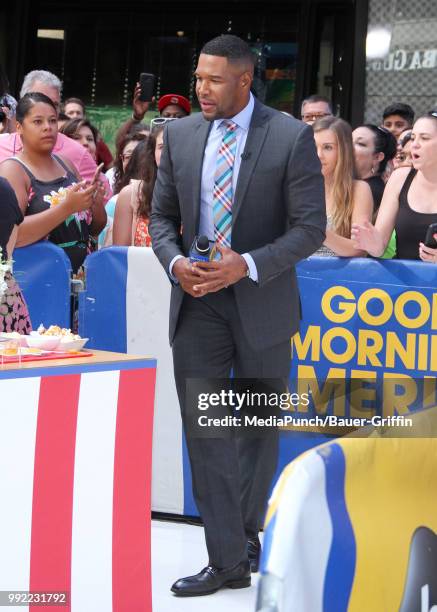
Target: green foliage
[(108, 120)]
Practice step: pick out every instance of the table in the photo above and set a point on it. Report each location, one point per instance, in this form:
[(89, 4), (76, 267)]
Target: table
[(75, 475)]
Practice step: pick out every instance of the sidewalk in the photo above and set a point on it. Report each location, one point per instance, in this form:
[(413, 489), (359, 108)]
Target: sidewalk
[(179, 550)]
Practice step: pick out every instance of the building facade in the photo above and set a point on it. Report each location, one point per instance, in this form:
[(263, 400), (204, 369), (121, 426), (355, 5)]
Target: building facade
[(303, 47), (402, 56)]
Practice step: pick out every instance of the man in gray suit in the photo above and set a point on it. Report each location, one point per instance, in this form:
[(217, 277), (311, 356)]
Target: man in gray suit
[(249, 178)]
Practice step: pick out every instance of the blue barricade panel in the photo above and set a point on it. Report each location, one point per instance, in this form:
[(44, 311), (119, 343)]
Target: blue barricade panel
[(43, 272), (102, 306)]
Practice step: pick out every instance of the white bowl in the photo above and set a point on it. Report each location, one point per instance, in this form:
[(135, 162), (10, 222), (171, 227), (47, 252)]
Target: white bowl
[(13, 336), (46, 343), (72, 345)]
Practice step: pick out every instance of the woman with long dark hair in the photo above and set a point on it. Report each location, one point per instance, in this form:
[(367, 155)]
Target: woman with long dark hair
[(134, 202), (125, 146), (374, 147), (124, 150)]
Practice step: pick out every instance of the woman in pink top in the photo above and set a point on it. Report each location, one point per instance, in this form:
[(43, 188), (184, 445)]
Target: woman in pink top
[(10, 145)]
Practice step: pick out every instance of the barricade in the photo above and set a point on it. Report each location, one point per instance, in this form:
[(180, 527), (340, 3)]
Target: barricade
[(367, 337), (352, 526), (43, 272), (125, 309), (363, 321)]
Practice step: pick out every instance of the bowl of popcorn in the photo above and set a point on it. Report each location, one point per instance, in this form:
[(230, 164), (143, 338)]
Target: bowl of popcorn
[(43, 340), (71, 342), (68, 341)]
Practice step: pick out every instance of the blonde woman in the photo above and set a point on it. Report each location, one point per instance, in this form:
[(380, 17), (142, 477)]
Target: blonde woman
[(347, 200)]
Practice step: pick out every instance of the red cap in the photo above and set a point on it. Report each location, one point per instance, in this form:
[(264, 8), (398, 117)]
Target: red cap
[(174, 99)]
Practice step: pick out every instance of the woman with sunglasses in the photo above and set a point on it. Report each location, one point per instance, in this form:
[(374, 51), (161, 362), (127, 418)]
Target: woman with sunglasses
[(403, 154), (409, 204), (157, 126)]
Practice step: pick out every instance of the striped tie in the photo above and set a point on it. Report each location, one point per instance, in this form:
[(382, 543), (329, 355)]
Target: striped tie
[(222, 195)]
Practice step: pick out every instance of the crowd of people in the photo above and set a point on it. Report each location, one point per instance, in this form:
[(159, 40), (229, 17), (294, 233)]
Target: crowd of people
[(380, 180)]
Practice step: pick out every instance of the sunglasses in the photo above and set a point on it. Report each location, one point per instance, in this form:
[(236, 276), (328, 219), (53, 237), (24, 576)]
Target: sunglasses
[(159, 121), (314, 116)]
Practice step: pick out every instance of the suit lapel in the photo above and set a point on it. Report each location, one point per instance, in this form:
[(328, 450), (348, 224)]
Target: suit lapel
[(197, 152), (255, 139)]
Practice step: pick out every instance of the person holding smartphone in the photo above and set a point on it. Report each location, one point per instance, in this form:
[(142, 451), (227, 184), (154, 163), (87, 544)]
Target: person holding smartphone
[(57, 204), (173, 106), (409, 204)]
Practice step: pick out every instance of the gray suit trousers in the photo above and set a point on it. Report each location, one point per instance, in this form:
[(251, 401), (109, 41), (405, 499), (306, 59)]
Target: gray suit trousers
[(231, 476)]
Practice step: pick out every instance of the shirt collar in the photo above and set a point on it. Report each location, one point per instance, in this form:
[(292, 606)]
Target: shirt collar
[(243, 118)]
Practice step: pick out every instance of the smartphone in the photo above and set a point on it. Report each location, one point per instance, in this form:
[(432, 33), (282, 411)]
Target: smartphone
[(147, 84), (97, 173), (429, 238)]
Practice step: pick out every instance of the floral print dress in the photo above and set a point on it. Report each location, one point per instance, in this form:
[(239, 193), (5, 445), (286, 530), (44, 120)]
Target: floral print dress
[(140, 225), (14, 315)]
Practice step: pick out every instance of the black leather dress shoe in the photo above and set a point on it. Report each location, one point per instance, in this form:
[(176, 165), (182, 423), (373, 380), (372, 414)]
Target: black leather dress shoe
[(211, 579), (254, 553)]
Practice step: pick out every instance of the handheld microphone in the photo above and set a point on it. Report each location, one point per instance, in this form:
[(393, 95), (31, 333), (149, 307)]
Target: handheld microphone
[(245, 155), (203, 249)]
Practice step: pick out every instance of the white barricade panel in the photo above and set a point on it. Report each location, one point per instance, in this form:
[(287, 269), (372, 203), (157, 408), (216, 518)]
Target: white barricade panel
[(147, 306)]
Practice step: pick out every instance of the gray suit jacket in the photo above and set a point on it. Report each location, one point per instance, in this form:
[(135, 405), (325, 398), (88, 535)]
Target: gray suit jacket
[(278, 214)]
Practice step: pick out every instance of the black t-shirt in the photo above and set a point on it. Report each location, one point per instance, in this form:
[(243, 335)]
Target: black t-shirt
[(10, 214), (410, 225)]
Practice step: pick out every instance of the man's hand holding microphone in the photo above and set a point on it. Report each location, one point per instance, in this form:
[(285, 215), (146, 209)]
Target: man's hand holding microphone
[(209, 269)]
